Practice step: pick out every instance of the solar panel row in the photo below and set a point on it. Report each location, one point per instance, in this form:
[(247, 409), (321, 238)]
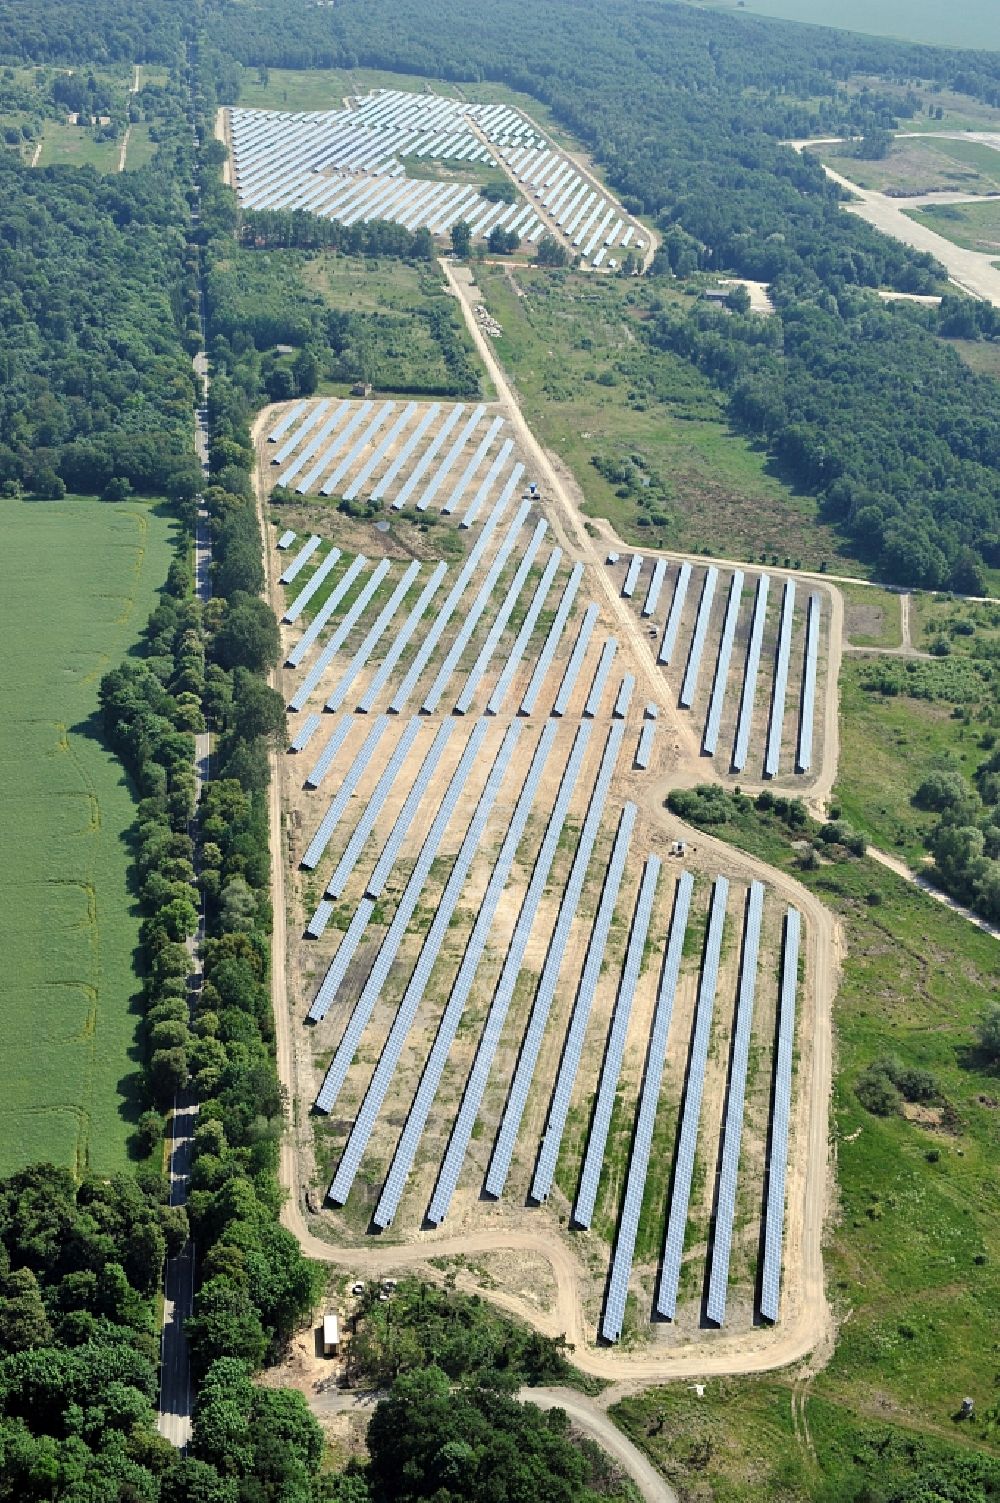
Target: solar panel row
[(777, 1167), (572, 1053), (552, 641)]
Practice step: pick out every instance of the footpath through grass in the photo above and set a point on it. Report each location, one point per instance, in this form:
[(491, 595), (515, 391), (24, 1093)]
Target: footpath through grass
[(78, 578), (913, 1249)]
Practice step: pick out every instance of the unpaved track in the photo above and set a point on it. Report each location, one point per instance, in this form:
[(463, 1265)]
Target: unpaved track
[(893, 864), (585, 1413)]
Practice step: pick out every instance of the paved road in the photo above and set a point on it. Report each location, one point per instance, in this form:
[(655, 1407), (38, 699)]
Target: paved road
[(585, 1413), (175, 1403), (973, 271)]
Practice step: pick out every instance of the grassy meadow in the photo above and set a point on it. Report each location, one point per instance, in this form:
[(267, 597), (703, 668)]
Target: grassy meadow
[(77, 580), (913, 1241), (972, 226), (591, 388)]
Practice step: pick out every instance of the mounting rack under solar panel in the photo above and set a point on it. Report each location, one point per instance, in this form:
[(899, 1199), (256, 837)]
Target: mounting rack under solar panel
[(475, 1086), (721, 679), (697, 646), (401, 640), (347, 1048), (373, 636), (772, 753), (326, 610), (382, 1077), (745, 719), (673, 1251), (496, 631), (669, 638), (732, 1132), (464, 636), (496, 1176), (613, 1318), (416, 1120), (778, 1165), (593, 1162), (803, 755), (552, 641), (576, 657), (339, 637), (572, 1052)]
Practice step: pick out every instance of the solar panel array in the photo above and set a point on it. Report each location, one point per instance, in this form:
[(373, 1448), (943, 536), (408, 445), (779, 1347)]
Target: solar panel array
[(286, 539), (366, 824), (300, 560), (402, 1023), (585, 993), (350, 164), (590, 1174), (489, 1040), (336, 642), (416, 1121), (673, 1250), (308, 590), (552, 641), (590, 221), (310, 725), (373, 637), (708, 624), (513, 660), (326, 611), (517, 1101), (644, 747), (337, 1073), (613, 1317), (778, 1164), (499, 623), (601, 672), (733, 1129), (632, 575), (624, 697)]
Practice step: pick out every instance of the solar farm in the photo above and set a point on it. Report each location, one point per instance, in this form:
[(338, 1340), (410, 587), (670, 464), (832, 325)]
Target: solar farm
[(418, 160), (742, 654), (518, 999)]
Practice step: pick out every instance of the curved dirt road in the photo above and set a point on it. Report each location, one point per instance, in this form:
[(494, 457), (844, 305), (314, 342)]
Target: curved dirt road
[(585, 1413)]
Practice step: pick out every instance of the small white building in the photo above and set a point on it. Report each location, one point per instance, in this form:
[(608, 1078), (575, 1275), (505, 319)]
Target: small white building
[(331, 1335)]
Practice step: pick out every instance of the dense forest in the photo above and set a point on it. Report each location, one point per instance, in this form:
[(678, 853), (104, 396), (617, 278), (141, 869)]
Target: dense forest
[(703, 154)]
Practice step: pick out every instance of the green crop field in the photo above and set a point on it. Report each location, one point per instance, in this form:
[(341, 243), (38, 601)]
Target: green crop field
[(77, 581)]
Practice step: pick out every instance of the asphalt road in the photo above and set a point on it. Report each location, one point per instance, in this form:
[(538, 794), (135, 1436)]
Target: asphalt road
[(175, 1403)]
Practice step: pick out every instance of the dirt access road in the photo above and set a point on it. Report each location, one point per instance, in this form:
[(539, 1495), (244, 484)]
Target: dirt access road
[(585, 1413), (806, 1323)]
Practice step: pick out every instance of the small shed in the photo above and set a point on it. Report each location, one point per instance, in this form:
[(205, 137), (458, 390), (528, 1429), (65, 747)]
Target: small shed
[(331, 1335), (361, 389)]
